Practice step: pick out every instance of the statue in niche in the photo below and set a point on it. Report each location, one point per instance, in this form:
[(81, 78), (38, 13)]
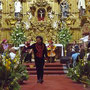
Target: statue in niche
[(51, 15), (0, 5), (18, 8), (81, 7), (30, 16), (65, 9), (41, 14)]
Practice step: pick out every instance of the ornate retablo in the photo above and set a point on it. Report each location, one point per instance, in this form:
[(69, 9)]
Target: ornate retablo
[(44, 17)]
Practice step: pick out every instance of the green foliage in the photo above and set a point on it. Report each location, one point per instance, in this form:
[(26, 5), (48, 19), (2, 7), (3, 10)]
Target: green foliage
[(21, 69), (11, 73), (81, 72), (18, 36), (64, 36)]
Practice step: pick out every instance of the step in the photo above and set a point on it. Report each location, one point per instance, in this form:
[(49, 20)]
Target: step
[(48, 65), (59, 65), (46, 68), (47, 72), (49, 68), (56, 63)]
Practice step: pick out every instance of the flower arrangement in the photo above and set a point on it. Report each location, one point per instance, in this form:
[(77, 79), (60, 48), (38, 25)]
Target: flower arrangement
[(64, 36), (81, 72), (11, 73), (18, 36)]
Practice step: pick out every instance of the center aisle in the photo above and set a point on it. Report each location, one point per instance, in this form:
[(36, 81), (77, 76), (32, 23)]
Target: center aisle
[(51, 82)]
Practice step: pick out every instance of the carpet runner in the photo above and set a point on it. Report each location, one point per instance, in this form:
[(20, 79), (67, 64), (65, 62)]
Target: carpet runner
[(52, 82), (54, 78), (49, 69)]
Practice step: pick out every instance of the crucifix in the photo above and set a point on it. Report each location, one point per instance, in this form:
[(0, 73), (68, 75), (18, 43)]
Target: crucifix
[(41, 13)]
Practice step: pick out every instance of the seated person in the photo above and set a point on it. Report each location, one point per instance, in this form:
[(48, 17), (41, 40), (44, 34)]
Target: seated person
[(27, 55), (75, 58), (51, 51), (69, 51), (82, 52)]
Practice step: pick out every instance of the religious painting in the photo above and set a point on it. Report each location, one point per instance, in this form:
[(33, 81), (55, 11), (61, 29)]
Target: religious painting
[(41, 14)]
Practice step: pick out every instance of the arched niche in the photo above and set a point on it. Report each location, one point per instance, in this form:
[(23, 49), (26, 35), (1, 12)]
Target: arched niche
[(41, 14)]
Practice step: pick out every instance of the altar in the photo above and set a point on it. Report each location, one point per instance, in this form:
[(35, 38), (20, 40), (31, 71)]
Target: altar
[(59, 50)]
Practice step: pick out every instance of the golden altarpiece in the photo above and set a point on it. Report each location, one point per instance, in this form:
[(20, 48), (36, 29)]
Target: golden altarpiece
[(44, 17)]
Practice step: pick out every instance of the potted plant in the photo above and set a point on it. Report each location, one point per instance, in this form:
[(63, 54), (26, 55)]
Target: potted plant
[(64, 37)]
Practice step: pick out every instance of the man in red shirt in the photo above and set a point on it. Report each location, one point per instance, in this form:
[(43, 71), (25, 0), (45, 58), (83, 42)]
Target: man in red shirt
[(40, 52)]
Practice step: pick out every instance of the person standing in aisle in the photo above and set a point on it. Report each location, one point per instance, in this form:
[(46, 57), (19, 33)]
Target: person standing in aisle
[(40, 52)]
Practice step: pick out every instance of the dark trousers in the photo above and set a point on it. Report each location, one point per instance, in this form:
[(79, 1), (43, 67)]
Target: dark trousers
[(40, 68)]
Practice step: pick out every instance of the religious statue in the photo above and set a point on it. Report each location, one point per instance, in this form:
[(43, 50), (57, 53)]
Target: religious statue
[(0, 5), (41, 15), (50, 14), (81, 7), (27, 25), (55, 25), (30, 15), (65, 9), (18, 8)]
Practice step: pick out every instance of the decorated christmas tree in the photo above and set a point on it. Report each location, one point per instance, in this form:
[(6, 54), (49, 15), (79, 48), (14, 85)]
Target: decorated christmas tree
[(18, 36)]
